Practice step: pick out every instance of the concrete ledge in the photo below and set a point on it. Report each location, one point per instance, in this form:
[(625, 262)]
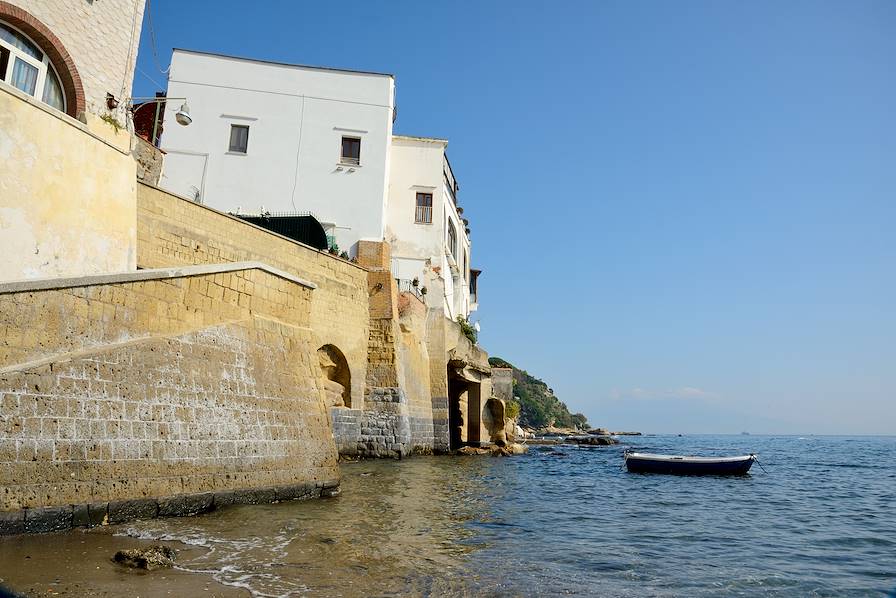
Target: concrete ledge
[(55, 519), (48, 284)]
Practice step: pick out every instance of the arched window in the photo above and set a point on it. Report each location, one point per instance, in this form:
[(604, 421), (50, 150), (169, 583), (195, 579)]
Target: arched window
[(25, 66)]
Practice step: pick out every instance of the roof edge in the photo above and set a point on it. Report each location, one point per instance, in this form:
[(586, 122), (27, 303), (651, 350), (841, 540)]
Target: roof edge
[(420, 138), (278, 63)]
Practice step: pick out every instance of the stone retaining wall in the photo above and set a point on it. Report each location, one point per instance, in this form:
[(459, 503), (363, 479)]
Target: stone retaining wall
[(156, 384), (173, 231)]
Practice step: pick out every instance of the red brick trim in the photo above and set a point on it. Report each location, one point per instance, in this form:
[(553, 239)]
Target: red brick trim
[(56, 52)]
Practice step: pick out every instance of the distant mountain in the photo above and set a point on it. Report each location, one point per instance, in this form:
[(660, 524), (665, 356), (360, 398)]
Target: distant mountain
[(539, 407)]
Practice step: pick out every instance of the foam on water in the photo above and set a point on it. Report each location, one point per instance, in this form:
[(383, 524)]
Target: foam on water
[(819, 521)]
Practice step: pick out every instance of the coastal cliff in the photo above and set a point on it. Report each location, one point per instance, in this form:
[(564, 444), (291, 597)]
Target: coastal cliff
[(538, 406)]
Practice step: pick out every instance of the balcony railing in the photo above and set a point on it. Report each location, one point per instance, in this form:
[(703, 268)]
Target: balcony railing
[(407, 286), (423, 215), (450, 181)]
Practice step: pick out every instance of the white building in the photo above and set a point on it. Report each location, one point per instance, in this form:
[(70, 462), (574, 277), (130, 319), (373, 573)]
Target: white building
[(282, 138), (292, 139), (425, 225)]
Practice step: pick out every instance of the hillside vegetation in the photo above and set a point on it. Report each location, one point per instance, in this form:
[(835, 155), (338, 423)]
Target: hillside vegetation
[(539, 407)]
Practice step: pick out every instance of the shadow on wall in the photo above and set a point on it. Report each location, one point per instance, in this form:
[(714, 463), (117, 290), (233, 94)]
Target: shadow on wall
[(337, 377)]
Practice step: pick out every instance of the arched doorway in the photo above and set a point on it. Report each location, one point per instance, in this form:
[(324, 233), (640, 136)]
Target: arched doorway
[(464, 409), (337, 377)]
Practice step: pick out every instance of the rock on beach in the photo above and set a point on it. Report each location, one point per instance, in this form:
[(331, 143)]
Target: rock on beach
[(150, 558)]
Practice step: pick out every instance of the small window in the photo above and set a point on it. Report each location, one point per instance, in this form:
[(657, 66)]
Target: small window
[(423, 215), (239, 138), (351, 150)]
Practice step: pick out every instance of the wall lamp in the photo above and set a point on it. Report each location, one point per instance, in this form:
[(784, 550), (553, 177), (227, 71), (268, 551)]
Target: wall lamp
[(182, 116)]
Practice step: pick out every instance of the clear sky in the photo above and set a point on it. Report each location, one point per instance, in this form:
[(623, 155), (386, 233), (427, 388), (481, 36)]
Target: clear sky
[(685, 211)]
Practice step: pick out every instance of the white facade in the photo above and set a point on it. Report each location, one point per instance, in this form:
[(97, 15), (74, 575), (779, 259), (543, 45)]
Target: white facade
[(297, 117), (421, 238), (268, 137)]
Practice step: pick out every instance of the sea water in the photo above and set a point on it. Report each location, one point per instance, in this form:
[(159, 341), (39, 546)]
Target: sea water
[(818, 518)]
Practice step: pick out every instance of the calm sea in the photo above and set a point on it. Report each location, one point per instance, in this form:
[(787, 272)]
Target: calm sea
[(820, 520)]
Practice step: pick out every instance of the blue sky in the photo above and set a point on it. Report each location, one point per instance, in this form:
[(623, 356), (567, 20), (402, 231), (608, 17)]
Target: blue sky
[(685, 212)]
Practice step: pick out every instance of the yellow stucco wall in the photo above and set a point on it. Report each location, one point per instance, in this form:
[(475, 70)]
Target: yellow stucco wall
[(67, 198)]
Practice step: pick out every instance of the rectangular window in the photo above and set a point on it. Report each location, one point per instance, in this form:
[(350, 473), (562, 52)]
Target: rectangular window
[(452, 239), (239, 138), (423, 215), (351, 151)]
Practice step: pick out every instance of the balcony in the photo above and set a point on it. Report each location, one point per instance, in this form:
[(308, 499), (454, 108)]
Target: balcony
[(408, 286), (450, 181)]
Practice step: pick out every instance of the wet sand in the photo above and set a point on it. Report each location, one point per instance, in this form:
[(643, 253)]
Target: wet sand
[(79, 563)]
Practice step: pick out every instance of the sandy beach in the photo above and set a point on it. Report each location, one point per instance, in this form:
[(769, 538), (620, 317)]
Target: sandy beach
[(79, 563)]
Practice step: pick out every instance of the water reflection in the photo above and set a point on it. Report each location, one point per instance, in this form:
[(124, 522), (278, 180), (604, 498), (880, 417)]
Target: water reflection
[(395, 528), (568, 520)]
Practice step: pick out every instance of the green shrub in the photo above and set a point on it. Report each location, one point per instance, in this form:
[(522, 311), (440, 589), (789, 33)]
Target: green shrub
[(468, 329)]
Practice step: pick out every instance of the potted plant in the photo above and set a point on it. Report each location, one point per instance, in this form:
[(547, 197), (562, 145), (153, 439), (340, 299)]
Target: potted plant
[(416, 282), (422, 290)]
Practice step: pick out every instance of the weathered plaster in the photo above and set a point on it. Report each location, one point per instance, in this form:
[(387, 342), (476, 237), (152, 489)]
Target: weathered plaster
[(67, 198)]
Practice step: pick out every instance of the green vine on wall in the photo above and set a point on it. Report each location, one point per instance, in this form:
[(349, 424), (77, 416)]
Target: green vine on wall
[(468, 329), (112, 122)]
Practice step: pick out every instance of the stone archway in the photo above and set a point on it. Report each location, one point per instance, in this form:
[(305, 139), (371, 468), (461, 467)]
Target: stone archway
[(464, 408), (457, 413), (337, 376)]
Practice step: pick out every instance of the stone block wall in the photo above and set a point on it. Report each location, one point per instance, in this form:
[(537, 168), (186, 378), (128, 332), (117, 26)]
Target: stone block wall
[(385, 428), (174, 383), (347, 430), (173, 231), (438, 377), (414, 360)]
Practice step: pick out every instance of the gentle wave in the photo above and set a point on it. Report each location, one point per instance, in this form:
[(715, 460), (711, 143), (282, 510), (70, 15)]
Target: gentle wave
[(818, 521)]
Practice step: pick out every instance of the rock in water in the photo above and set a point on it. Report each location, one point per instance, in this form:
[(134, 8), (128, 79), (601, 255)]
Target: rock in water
[(150, 558), (592, 440)]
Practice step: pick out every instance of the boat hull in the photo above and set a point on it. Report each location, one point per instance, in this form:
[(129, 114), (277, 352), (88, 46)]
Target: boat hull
[(685, 466)]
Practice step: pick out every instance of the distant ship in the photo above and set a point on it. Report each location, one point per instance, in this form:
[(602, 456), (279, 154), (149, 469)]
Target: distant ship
[(745, 433)]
